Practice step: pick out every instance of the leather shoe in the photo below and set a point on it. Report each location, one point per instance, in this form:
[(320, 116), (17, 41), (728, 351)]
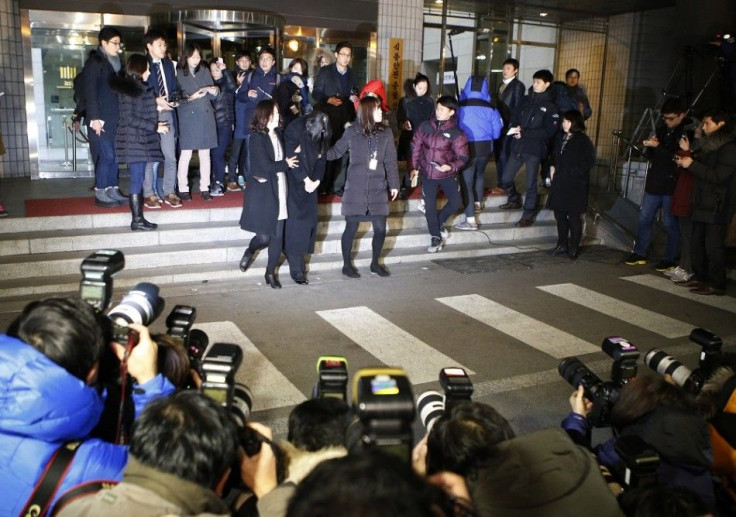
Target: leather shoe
[(558, 250), (524, 222), (300, 280), (572, 254), (511, 205), (273, 281), (350, 272), (498, 191), (693, 284), (707, 291), (379, 270), (247, 260)]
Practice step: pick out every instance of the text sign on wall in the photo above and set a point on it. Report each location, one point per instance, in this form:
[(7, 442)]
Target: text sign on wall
[(395, 71)]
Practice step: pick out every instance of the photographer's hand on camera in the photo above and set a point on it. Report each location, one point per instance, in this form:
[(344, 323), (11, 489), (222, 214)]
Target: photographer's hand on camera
[(142, 361), (258, 472), (419, 456), (579, 404)]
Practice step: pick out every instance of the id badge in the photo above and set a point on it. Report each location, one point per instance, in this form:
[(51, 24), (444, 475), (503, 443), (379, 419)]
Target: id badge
[(373, 164)]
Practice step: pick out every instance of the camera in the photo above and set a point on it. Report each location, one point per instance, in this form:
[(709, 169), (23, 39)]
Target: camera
[(332, 378), (383, 408), (179, 327), (691, 381), (639, 462), (457, 387), (603, 395)]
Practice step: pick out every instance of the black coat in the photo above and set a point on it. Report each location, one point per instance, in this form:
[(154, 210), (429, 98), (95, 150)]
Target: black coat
[(366, 190), (328, 84), (715, 186), (510, 98), (101, 102), (261, 199), (224, 103), (293, 101), (136, 139), (539, 119), (569, 191), (662, 177), (301, 226)]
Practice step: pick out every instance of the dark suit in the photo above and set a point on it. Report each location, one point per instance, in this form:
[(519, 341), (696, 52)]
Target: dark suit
[(508, 101), (168, 140)]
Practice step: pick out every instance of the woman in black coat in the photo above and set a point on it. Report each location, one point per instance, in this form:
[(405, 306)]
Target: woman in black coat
[(292, 94), (573, 158), (372, 171), (308, 139), (264, 202), (136, 140), (224, 105)]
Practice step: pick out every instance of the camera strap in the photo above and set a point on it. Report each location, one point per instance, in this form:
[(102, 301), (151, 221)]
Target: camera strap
[(48, 484)]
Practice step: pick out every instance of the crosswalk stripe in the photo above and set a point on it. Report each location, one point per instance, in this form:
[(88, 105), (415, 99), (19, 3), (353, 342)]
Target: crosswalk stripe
[(727, 303), (624, 311), (534, 333), (270, 388), (390, 344)]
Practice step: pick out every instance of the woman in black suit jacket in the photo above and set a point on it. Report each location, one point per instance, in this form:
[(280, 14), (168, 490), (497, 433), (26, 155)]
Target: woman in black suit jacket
[(573, 158), (264, 202), (308, 138)]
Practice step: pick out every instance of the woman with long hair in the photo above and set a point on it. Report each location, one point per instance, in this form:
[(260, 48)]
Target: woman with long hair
[(572, 160), (413, 110), (292, 93), (136, 140), (264, 202), (372, 171), (308, 138), (197, 127)]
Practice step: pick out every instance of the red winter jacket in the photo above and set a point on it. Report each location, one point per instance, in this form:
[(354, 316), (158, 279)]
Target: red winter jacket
[(442, 143)]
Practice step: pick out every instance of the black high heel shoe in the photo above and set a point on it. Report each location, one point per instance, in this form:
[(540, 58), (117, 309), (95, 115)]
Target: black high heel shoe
[(247, 260), (273, 281)]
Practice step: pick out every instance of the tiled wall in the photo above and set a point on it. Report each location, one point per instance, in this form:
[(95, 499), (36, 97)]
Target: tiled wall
[(15, 161), (400, 19)]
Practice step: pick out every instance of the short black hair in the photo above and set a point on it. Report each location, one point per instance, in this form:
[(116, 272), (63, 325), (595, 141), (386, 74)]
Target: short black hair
[(577, 122), (717, 115), (545, 75), (242, 53), (342, 45), (572, 71), (464, 439), (673, 105), (267, 50), (369, 484), (187, 435), (318, 423), (449, 102), (153, 35), (107, 33), (66, 330), (513, 62)]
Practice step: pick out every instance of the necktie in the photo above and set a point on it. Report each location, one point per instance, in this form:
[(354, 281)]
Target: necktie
[(502, 88), (161, 85)]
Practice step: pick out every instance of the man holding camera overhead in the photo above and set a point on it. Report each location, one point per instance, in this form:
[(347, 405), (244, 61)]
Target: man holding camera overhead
[(49, 402)]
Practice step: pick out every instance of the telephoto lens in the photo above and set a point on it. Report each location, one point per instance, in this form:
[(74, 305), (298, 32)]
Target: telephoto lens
[(242, 404), (430, 406), (664, 364), (576, 373), (141, 305)]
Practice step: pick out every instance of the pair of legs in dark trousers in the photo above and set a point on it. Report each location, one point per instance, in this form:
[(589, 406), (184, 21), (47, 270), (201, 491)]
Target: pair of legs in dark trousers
[(709, 254), (351, 228), (274, 243), (513, 165), (430, 188), (473, 183), (569, 223), (238, 158)]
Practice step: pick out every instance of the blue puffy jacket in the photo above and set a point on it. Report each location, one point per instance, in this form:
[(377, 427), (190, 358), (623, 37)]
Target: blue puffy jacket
[(477, 117), (41, 407)]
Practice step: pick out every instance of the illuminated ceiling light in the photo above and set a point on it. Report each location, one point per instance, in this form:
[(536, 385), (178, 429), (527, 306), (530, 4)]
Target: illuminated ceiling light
[(480, 57), (438, 1), (293, 45), (543, 14)]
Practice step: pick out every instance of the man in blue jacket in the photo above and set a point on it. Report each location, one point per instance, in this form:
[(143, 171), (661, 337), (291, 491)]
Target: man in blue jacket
[(482, 124), (48, 398), (533, 125)]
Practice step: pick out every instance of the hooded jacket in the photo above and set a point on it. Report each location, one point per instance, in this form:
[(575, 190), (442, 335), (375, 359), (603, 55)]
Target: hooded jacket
[(539, 119), (715, 172), (41, 407), (476, 116), (441, 142)]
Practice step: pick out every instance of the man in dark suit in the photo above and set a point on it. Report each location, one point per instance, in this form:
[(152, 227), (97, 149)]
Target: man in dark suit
[(335, 91), (163, 82), (103, 115), (510, 93)]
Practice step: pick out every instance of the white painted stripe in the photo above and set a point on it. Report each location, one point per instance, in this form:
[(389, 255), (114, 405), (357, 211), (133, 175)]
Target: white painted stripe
[(727, 303), (534, 333), (270, 388), (624, 311), (390, 344)]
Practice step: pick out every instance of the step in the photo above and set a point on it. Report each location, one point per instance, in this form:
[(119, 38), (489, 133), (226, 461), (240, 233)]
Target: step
[(228, 270)]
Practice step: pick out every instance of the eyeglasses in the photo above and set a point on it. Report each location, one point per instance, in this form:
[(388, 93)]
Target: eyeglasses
[(116, 43), (345, 55), (670, 118)]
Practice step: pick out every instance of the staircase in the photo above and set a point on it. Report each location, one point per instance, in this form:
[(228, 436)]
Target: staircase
[(40, 256)]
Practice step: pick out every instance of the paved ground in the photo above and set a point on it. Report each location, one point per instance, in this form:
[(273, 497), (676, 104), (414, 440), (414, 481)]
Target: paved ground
[(509, 319)]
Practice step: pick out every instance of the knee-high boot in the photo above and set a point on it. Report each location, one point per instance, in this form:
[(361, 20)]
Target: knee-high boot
[(136, 209)]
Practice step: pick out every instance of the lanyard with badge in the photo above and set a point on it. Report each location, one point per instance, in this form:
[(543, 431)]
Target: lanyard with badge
[(373, 162)]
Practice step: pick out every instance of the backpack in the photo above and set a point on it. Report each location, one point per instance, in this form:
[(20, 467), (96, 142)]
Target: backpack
[(278, 80), (79, 98)]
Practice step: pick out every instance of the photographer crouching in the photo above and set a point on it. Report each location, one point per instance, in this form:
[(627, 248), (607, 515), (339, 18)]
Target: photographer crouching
[(50, 402)]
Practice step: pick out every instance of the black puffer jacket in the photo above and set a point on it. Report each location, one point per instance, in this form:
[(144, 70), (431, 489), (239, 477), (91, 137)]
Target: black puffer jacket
[(137, 138), (539, 119), (715, 187), (661, 177), (224, 103)]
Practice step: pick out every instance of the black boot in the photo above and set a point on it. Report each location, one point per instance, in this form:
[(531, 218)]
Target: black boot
[(272, 280), (247, 259), (136, 209)]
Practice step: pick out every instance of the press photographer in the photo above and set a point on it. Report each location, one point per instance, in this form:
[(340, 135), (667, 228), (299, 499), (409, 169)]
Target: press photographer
[(49, 363)]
